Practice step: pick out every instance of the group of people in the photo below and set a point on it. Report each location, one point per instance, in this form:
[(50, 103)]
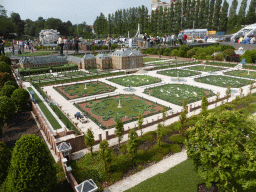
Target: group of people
[(170, 39), (64, 43), (28, 45), (247, 40)]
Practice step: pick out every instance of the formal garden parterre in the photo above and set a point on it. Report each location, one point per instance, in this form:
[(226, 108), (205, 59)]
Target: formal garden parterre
[(176, 72), (242, 73), (223, 81), (105, 111), (177, 93), (205, 68), (78, 90), (135, 80)]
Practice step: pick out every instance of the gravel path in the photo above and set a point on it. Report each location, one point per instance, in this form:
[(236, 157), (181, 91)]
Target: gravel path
[(160, 167)]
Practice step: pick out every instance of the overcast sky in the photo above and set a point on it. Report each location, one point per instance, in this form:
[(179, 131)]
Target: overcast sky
[(76, 11)]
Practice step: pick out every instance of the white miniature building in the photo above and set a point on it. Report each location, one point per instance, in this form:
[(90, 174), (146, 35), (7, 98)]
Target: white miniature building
[(48, 36)]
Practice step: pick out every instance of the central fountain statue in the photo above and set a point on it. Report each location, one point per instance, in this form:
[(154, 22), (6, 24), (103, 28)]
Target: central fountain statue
[(119, 105)]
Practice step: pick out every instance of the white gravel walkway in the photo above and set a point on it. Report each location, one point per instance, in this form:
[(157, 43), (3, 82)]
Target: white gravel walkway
[(160, 167)]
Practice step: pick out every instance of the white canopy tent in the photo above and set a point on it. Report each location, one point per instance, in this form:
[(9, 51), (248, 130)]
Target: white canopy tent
[(246, 31)]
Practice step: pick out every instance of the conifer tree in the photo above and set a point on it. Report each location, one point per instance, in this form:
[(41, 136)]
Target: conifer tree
[(171, 18), (216, 16), (224, 17), (177, 11), (133, 143), (211, 10), (232, 15), (206, 14), (189, 14), (119, 130), (89, 139), (251, 15), (201, 14), (196, 16), (241, 13)]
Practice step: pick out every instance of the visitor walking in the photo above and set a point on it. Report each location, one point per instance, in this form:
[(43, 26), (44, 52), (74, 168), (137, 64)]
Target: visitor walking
[(12, 48), (65, 43), (61, 44), (180, 36), (206, 37), (75, 41), (144, 40), (185, 37), (252, 40), (247, 40), (173, 38), (32, 47), (2, 42)]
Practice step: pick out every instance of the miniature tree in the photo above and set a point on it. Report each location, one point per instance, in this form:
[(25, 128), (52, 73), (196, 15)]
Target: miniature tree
[(32, 167), (20, 96), (133, 143), (7, 107), (105, 153), (159, 133), (7, 90), (140, 121), (164, 113), (241, 91), (89, 139), (222, 146), (205, 104), (228, 92), (119, 130), (5, 159), (183, 118), (251, 86), (217, 98)]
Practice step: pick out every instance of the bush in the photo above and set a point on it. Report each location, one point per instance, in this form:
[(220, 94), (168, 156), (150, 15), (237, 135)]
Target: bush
[(95, 47), (178, 139), (218, 57), (191, 52), (7, 90), (114, 46), (184, 48), (181, 53), (200, 41), (57, 47), (105, 47), (208, 57), (175, 148), (11, 83), (175, 52), (227, 53), (20, 96), (5, 68), (235, 58), (6, 59), (5, 157)]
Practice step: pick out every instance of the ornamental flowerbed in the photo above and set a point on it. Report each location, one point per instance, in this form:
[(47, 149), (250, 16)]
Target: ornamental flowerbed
[(177, 93), (175, 72), (39, 77), (223, 81), (78, 90), (72, 73), (135, 80), (242, 73), (205, 68), (105, 111)]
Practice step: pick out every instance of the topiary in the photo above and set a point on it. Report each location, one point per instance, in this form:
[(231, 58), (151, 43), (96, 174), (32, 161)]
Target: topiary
[(4, 67), (6, 59), (175, 52), (7, 90), (20, 96)]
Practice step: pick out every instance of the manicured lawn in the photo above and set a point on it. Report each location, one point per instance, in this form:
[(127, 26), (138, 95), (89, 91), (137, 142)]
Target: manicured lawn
[(242, 73), (177, 93), (181, 178), (55, 124), (148, 59), (135, 80), (39, 77), (175, 72), (106, 110), (223, 81), (78, 90), (166, 62), (73, 73), (205, 68)]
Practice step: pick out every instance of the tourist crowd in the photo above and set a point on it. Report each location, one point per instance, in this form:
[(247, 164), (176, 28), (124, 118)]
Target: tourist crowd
[(247, 40)]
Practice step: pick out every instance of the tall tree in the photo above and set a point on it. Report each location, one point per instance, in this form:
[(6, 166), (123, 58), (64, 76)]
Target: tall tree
[(18, 23), (211, 11), (222, 146), (241, 13), (251, 15), (204, 106), (216, 16), (105, 153), (206, 14), (32, 167), (119, 130), (89, 139), (196, 15), (7, 107), (183, 117), (232, 20), (159, 133), (133, 143), (5, 159), (224, 17), (201, 16)]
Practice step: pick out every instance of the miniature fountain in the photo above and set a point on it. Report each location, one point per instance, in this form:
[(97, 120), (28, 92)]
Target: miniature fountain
[(119, 105), (178, 79), (129, 89)]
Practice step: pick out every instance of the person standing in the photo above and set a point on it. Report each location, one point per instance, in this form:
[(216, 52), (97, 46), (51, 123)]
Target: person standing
[(185, 37), (144, 40), (173, 40), (180, 36), (65, 43), (75, 41), (252, 40), (2, 41), (61, 44), (12, 48), (247, 40)]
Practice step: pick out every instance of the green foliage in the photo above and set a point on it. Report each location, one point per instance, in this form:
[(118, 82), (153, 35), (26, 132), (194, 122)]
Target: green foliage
[(242, 73), (249, 56), (175, 148), (183, 117), (4, 77), (11, 83), (228, 92), (218, 57), (119, 130), (6, 59), (177, 139), (140, 121), (114, 46), (5, 159), (227, 53), (89, 139), (159, 133), (204, 105), (133, 143), (164, 114), (105, 47), (94, 47), (4, 67), (32, 167), (105, 153), (222, 146), (7, 107), (7, 90), (205, 68), (175, 52)]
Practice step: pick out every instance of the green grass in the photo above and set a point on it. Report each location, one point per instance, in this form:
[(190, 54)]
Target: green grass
[(242, 73), (135, 80), (78, 90), (55, 124), (41, 77), (149, 59), (35, 54), (175, 72), (73, 73), (181, 178), (223, 81), (177, 93), (205, 68)]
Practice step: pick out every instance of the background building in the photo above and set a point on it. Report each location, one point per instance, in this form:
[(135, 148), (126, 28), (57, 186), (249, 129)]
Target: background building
[(49, 36), (103, 61)]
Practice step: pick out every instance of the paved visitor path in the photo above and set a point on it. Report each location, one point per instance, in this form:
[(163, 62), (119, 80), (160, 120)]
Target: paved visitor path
[(160, 167)]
